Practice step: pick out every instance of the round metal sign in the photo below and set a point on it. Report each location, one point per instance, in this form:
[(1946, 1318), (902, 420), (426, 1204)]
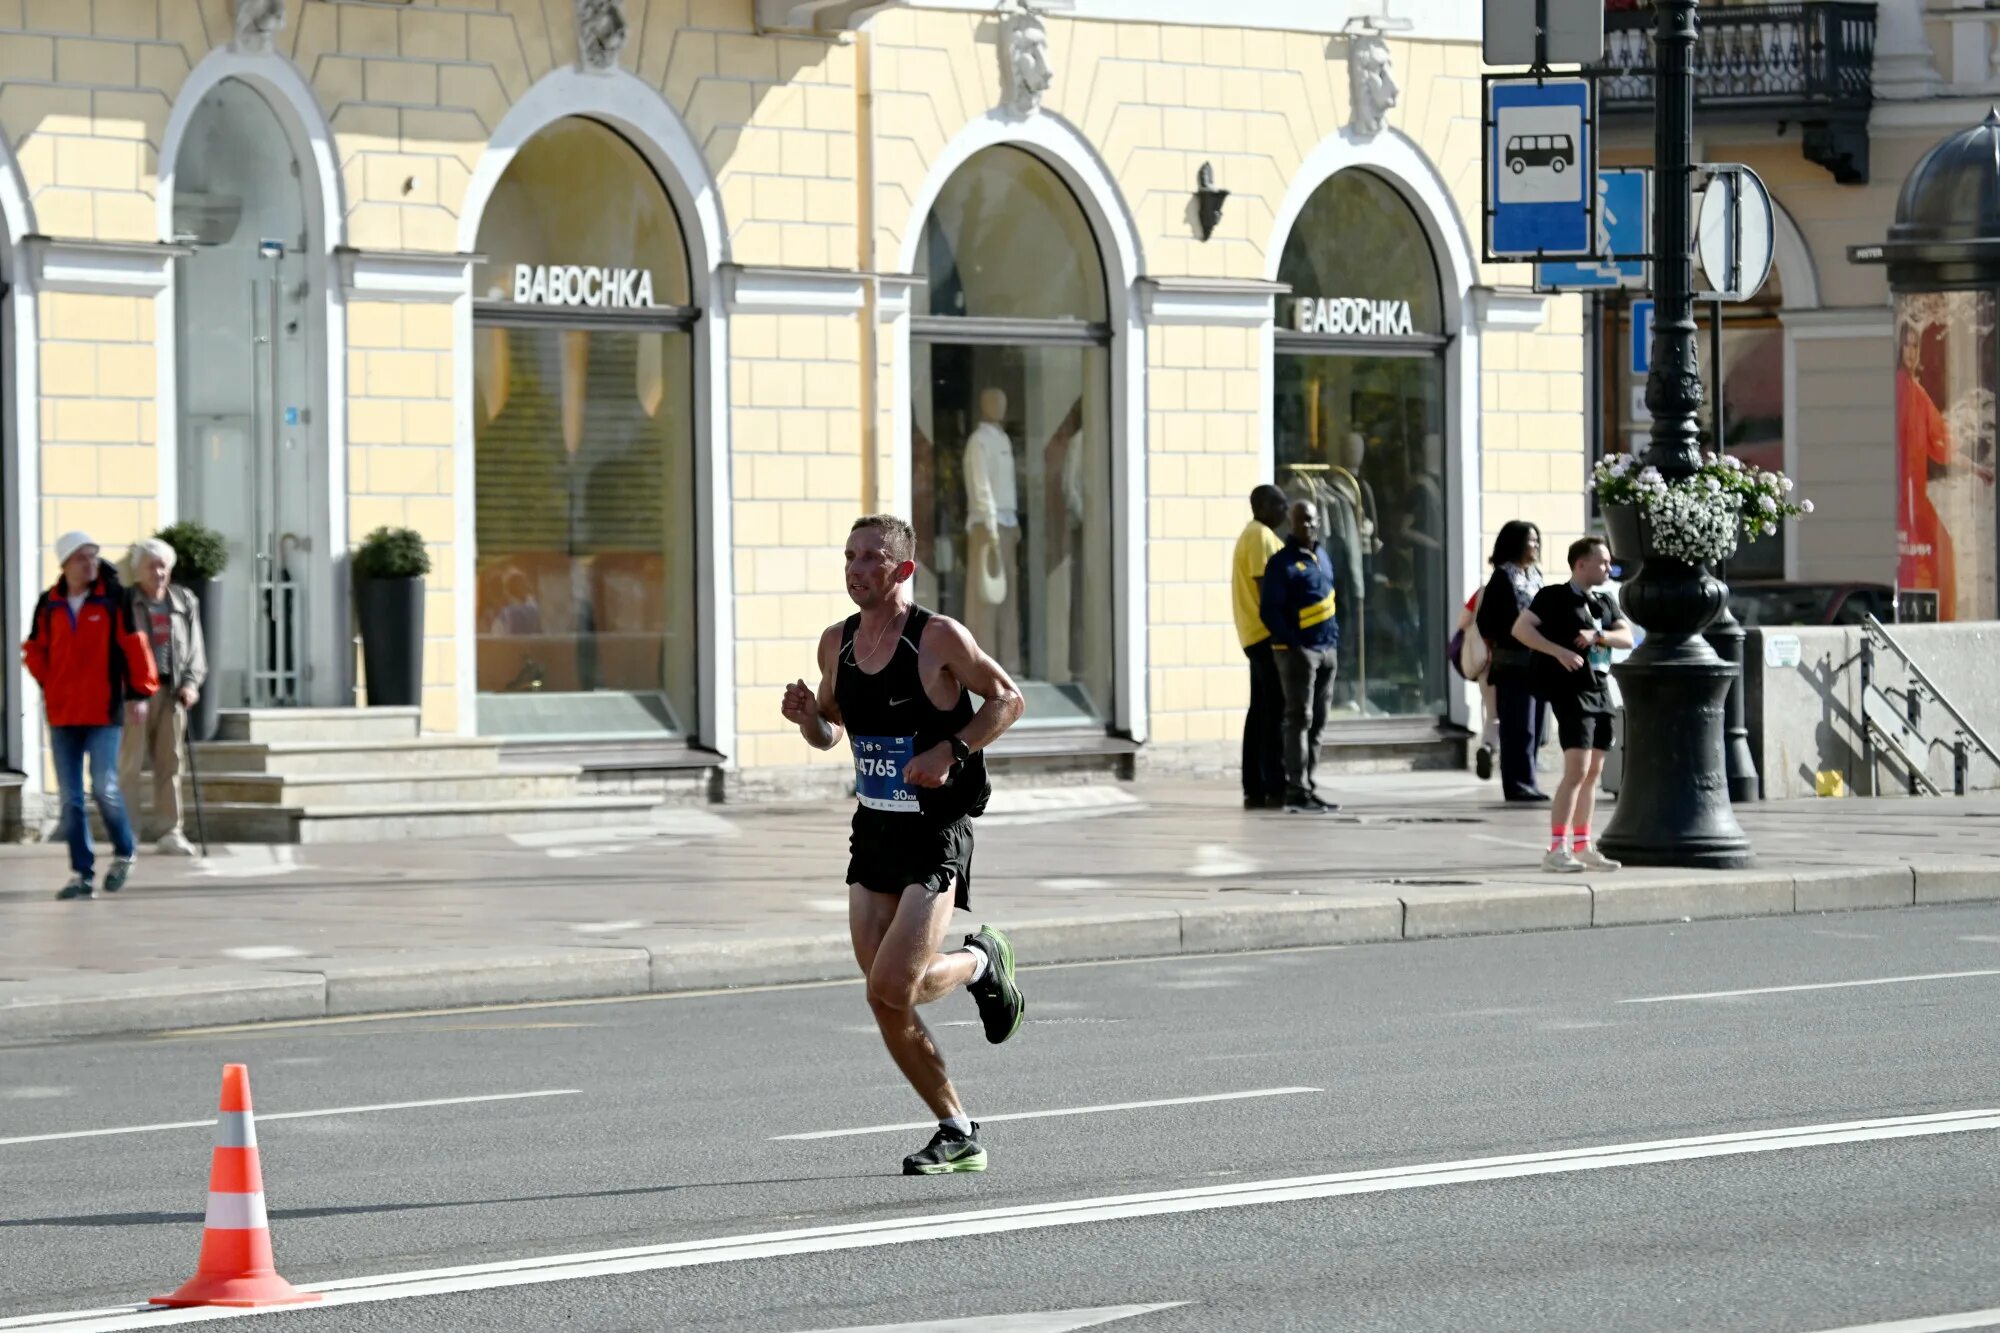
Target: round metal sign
[(1736, 234)]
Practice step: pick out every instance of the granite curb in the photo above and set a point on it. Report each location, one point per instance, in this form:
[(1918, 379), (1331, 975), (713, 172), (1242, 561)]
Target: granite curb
[(106, 1004)]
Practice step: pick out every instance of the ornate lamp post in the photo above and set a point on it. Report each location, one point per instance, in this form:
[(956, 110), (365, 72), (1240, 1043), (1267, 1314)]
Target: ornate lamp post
[(1673, 805)]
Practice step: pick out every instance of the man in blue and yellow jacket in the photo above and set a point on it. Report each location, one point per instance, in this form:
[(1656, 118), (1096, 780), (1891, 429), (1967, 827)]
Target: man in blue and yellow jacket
[(1297, 604)]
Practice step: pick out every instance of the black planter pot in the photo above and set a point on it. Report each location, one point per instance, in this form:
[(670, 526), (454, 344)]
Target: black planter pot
[(1673, 802), (390, 615), (208, 594)]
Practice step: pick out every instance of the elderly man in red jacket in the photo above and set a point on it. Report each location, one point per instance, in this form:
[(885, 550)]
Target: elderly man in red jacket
[(89, 658)]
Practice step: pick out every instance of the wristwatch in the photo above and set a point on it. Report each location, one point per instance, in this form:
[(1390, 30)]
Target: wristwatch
[(960, 751)]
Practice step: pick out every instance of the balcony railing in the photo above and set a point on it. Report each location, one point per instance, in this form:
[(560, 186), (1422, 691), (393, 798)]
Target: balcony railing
[(1809, 62)]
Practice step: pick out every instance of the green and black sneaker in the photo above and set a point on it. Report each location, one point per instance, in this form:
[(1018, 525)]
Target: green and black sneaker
[(1001, 1005), (948, 1151)]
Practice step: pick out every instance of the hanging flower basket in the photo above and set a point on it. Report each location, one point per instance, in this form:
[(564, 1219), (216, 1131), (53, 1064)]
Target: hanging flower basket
[(1696, 519)]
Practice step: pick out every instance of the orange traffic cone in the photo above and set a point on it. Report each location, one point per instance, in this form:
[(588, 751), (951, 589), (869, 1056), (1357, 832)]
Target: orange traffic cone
[(236, 1265)]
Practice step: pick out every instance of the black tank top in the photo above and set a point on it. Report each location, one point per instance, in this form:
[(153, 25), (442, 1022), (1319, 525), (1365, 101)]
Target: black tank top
[(890, 719)]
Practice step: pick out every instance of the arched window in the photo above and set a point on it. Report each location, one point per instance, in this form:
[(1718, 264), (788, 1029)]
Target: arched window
[(583, 409), (1011, 455), (1360, 427)]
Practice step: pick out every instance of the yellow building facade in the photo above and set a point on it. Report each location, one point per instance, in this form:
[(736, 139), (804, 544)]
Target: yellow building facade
[(630, 308)]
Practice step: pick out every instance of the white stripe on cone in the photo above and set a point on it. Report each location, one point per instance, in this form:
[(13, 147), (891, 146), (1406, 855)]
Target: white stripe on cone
[(236, 1212)]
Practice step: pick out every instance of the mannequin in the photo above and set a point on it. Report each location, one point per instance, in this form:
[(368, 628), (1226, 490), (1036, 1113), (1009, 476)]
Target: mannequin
[(1062, 508), (993, 533)]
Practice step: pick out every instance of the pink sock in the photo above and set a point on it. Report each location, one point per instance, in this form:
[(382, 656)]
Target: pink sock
[(1558, 839), (1582, 842)]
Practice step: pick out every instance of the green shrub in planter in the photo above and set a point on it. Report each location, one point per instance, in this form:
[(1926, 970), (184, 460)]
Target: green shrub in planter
[(389, 569), (200, 554), (392, 553)]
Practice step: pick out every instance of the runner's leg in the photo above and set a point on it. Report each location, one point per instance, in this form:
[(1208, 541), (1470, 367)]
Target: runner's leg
[(898, 951)]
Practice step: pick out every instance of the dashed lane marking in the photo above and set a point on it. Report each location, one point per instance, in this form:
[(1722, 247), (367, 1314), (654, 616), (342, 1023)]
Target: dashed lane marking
[(1816, 985), (294, 1115)]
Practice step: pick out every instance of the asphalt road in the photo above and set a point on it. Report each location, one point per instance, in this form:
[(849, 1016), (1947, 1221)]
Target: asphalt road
[(661, 1122)]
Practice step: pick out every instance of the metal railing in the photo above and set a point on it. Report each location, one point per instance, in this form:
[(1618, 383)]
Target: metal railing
[(1813, 54), (1893, 720)]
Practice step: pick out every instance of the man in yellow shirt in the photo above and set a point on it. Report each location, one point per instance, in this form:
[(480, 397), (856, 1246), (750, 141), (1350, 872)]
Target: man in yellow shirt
[(1264, 726)]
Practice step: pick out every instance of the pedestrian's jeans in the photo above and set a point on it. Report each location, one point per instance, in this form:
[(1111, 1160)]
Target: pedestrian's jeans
[(1520, 733), (72, 745), (1264, 727), (1307, 674)]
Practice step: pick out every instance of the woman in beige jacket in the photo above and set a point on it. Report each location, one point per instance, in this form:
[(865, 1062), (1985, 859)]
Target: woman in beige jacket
[(169, 617)]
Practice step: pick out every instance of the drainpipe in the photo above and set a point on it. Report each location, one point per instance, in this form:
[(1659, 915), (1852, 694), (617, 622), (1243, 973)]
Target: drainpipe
[(864, 259)]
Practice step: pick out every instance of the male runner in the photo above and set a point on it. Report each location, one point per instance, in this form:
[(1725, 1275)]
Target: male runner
[(900, 679)]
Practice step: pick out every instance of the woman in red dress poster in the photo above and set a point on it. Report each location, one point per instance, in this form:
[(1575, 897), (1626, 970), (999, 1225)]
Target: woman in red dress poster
[(1924, 559)]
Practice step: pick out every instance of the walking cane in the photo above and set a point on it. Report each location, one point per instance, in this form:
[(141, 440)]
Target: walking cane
[(194, 776)]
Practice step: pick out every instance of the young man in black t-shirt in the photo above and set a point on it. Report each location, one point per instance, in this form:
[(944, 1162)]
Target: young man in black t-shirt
[(1573, 627)]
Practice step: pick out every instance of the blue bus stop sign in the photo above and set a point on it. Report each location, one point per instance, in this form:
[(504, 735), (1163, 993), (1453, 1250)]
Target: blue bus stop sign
[(1541, 169), (1642, 337), (1624, 228)]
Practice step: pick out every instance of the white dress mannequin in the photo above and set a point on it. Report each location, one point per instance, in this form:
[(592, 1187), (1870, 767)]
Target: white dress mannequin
[(993, 533)]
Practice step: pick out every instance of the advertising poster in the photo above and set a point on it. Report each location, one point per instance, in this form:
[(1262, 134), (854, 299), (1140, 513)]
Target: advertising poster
[(1945, 438)]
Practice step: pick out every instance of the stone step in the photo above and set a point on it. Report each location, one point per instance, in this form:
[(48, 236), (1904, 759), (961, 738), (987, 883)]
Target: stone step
[(511, 783), (1392, 746), (318, 724), (415, 755), (234, 822)]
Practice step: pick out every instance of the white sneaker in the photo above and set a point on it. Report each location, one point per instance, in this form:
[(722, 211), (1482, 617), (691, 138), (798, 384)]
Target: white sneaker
[(174, 844), (1560, 862), (1592, 859)]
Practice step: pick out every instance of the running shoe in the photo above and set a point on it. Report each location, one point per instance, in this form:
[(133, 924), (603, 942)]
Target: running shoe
[(1593, 859), (1560, 862), (121, 870), (948, 1151), (997, 995), (78, 887)]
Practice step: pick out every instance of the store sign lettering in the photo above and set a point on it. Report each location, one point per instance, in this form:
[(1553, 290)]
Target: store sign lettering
[(1349, 316), (573, 284)]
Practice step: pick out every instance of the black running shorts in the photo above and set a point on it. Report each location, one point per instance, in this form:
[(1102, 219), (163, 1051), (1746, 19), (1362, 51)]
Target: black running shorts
[(889, 852), (1579, 724)]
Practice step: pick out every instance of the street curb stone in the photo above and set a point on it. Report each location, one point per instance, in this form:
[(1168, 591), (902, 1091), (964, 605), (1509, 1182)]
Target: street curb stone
[(1955, 882), (97, 1004), (448, 979), (101, 1004), (1848, 890), (1631, 904), (1290, 924), (1441, 913)]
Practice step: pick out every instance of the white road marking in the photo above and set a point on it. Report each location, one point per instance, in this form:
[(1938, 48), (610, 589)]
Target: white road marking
[(295, 1115), (607, 927), (931, 1228), (1979, 939), (1042, 1115), (263, 953), (667, 823), (1817, 985), (1044, 1321), (1076, 885), (32, 1093), (1944, 1323), (581, 853)]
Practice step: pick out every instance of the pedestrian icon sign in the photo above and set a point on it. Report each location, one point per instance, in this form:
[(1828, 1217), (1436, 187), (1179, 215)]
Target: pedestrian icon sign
[(1624, 237), (1541, 169)]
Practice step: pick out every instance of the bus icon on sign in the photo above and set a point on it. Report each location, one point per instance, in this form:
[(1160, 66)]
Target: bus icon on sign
[(1556, 152)]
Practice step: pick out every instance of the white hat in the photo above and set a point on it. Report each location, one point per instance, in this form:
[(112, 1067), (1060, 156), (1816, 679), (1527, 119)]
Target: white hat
[(70, 543)]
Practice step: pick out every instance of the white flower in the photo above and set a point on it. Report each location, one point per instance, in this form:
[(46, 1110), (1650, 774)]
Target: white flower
[(1714, 486), (1805, 506), (1767, 504), (1785, 484), (1649, 476)]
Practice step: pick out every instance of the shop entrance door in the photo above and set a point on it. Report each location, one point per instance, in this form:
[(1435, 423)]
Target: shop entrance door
[(250, 441)]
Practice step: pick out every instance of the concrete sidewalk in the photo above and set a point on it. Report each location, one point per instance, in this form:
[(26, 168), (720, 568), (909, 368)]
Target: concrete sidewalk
[(730, 896)]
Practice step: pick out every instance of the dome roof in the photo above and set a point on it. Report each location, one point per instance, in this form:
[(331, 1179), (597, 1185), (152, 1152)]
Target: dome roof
[(1953, 194)]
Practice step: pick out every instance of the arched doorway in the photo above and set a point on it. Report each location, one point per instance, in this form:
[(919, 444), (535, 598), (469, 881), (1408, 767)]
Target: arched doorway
[(1360, 426), (1011, 438), (584, 474), (250, 304)]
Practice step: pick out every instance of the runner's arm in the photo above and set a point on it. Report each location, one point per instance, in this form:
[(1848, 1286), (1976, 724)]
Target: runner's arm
[(953, 647), (817, 713)]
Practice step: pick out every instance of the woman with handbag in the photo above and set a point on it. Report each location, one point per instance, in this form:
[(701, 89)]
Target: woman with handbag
[(1514, 584), (1474, 661)]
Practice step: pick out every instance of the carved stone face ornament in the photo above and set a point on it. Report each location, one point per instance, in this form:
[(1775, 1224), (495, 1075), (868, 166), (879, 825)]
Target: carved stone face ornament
[(1024, 56), (601, 31), (1371, 84), (257, 22)]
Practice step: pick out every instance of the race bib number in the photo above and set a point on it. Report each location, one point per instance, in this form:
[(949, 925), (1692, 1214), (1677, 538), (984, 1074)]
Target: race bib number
[(878, 773)]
